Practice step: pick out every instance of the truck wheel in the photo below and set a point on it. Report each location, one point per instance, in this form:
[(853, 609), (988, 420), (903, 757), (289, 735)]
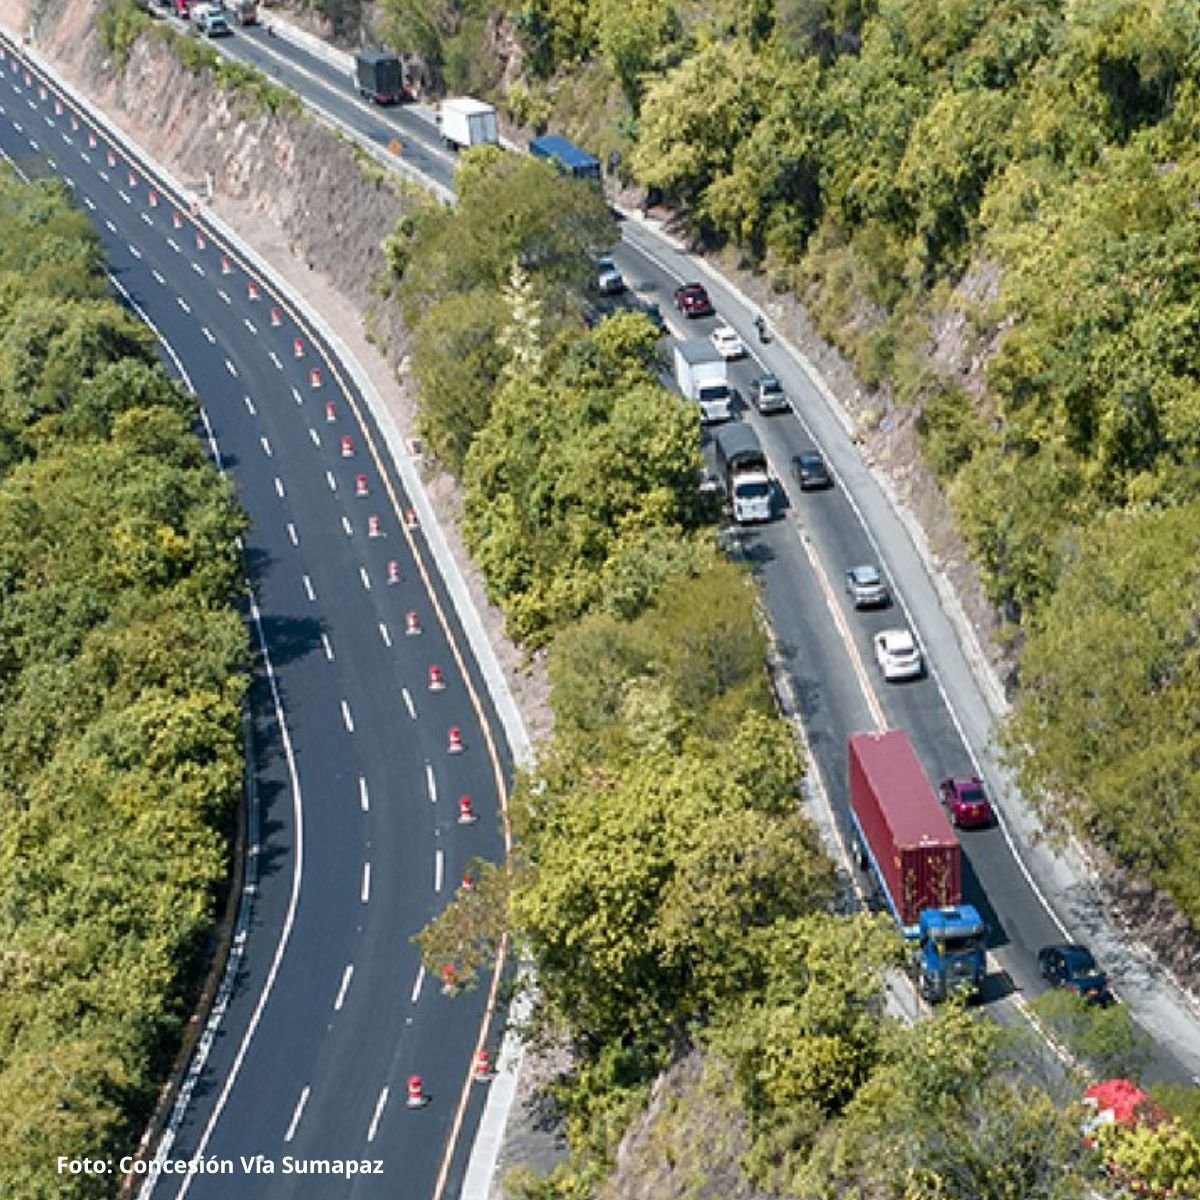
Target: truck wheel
[(860, 856)]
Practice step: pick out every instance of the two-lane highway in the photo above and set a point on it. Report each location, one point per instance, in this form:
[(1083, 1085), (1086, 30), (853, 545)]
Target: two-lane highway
[(370, 722)]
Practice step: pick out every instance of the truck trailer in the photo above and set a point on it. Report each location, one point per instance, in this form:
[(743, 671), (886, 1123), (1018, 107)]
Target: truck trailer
[(566, 156), (703, 376), (903, 837), (468, 122), (379, 76), (743, 467)]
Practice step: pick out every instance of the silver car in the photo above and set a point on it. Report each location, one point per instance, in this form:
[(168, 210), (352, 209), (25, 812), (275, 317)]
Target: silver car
[(866, 588), (769, 396), (609, 281)]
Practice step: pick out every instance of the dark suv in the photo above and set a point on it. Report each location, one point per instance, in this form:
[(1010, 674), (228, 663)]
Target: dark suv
[(1074, 968), (692, 300), (809, 471)]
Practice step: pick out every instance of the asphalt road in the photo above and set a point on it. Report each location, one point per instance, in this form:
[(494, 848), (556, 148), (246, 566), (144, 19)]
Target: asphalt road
[(357, 792), (801, 560)]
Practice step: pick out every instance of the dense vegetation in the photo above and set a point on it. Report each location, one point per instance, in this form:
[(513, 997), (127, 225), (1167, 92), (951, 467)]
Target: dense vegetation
[(669, 893), (1024, 170), (122, 671)]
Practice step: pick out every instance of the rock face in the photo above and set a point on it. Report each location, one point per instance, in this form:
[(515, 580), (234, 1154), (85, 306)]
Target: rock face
[(282, 168)]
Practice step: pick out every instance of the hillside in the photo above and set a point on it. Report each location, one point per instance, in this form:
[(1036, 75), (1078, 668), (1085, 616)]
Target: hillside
[(677, 924)]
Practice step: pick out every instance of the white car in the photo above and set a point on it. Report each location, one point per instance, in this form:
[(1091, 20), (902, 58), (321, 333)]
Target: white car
[(609, 281), (727, 343), (897, 654)]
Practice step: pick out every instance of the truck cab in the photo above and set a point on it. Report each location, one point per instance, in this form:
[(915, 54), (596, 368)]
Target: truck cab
[(950, 952)]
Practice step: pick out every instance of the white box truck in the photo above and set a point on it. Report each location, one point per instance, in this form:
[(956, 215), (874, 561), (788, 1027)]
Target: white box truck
[(743, 468), (468, 122), (702, 376)]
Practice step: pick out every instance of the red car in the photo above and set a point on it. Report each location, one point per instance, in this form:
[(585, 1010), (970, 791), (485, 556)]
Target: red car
[(692, 300), (966, 802)]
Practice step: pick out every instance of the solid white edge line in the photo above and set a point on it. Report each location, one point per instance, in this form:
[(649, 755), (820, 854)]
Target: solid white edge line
[(233, 966)]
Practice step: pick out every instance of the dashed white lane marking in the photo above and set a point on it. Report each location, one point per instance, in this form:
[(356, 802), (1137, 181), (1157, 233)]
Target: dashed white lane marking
[(340, 999), (146, 218), (296, 1113), (36, 148), (295, 538), (17, 124), (347, 719), (327, 645), (250, 406), (111, 227), (416, 991), (104, 176), (364, 797), (377, 1115), (329, 479), (408, 702), (174, 245), (366, 579), (279, 487), (275, 359), (385, 633), (308, 588), (89, 204), (262, 441), (224, 295), (316, 437), (299, 399), (87, 158), (231, 368), (187, 308), (430, 784), (158, 276), (439, 868), (198, 268), (249, 324), (134, 251), (365, 892), (347, 527), (209, 336), (51, 164)]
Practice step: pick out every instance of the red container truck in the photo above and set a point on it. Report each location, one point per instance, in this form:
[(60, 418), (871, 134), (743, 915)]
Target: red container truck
[(902, 832)]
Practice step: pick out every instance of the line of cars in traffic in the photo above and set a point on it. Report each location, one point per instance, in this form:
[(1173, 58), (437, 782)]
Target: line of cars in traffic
[(897, 653)]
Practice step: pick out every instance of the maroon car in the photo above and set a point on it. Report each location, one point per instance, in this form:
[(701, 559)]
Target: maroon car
[(966, 802), (692, 300)]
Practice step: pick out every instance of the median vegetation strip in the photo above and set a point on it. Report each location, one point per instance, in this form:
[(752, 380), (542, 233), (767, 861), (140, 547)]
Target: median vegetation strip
[(123, 666)]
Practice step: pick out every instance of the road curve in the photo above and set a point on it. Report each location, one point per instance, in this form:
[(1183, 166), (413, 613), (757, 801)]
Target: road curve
[(1027, 894), (357, 788)]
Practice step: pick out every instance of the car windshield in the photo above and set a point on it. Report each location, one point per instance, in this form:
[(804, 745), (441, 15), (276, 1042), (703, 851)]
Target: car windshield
[(812, 462), (1080, 963), (866, 575), (752, 491), (900, 643), (960, 945), (971, 794), (769, 384)]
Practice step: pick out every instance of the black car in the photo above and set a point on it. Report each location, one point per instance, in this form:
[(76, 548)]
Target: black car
[(809, 471), (1073, 967), (692, 300), (652, 313)]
